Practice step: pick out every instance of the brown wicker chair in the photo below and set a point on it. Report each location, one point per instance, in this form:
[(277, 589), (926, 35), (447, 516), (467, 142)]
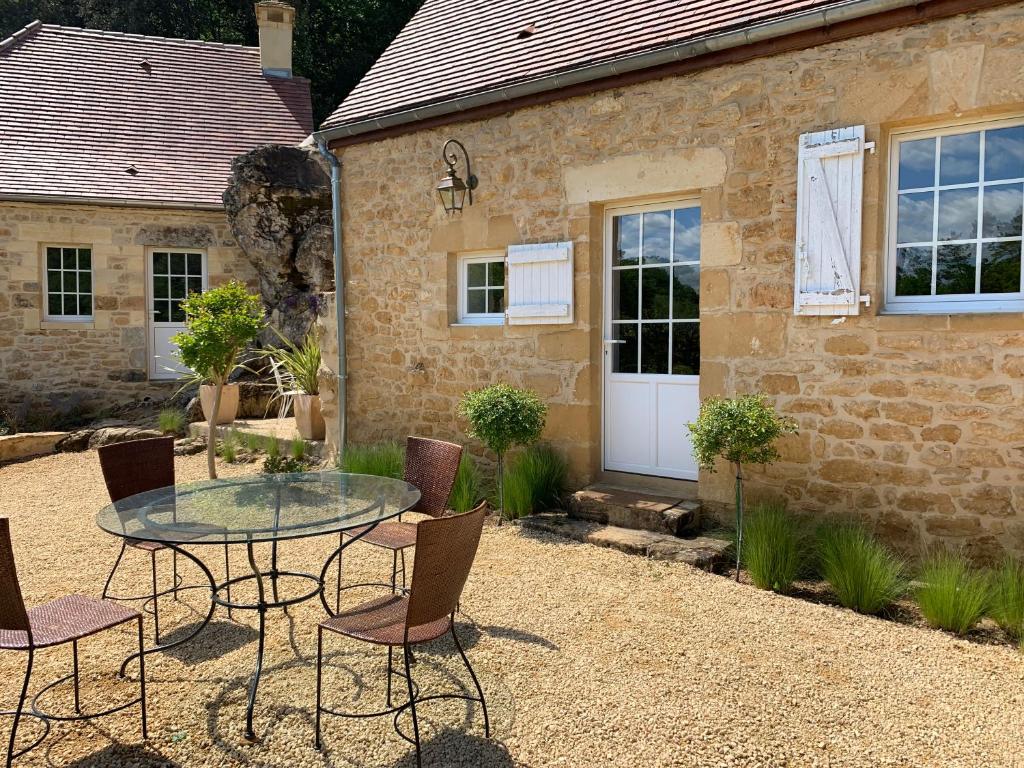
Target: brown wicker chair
[(430, 465), (445, 550), (135, 467), (61, 621)]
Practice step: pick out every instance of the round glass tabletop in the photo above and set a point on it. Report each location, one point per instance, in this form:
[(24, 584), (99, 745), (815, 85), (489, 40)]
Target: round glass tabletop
[(258, 508)]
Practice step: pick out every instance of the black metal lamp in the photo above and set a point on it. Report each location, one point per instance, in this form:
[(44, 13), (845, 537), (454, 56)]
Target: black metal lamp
[(452, 189)]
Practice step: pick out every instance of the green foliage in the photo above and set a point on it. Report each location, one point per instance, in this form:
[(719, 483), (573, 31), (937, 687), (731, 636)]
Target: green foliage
[(1007, 600), (228, 446), (300, 363), (273, 465), (382, 459), (501, 416), (865, 576), (535, 480), (468, 490), (220, 323), (953, 595), (777, 547), (253, 442), (741, 430), (272, 447), (299, 448), (171, 421)]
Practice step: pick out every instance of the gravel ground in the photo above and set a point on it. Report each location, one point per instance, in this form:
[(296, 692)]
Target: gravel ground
[(588, 657)]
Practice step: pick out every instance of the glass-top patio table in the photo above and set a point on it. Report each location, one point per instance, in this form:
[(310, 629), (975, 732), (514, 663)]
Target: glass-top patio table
[(252, 510)]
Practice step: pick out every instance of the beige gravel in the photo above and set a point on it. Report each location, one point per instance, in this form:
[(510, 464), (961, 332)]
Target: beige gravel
[(588, 657)]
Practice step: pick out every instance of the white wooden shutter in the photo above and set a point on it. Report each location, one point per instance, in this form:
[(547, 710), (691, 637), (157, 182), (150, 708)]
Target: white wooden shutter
[(539, 284), (828, 209)]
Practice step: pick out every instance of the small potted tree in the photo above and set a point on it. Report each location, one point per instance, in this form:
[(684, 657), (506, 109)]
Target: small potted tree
[(501, 416), (301, 365), (741, 430), (220, 324)]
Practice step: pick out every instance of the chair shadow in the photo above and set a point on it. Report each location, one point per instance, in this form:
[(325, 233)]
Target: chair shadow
[(519, 636), (136, 755), (452, 747), (214, 640)]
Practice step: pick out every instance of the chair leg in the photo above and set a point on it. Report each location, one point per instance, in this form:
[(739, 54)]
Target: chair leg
[(174, 568), (394, 571), (319, 675), (391, 667), (21, 705), (117, 562), (227, 575), (74, 661), (142, 682), (476, 682), (412, 705), (156, 601), (403, 570), (337, 594)]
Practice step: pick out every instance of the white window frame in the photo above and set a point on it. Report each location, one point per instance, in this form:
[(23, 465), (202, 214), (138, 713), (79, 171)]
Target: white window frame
[(480, 257), (62, 318), (947, 304)]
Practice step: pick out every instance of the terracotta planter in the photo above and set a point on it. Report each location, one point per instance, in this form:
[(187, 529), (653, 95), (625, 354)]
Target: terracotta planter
[(308, 418), (228, 402)]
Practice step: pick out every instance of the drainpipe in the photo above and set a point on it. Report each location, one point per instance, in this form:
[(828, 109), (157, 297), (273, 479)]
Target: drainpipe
[(339, 286)]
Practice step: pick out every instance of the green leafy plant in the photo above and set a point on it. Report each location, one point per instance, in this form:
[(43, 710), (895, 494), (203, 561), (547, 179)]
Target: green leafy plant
[(299, 449), (741, 430), (382, 459), (502, 416), (953, 595), (272, 447), (228, 447), (535, 480), (778, 547), (253, 442), (1007, 600), (468, 489), (219, 325), (273, 465), (865, 576), (300, 363), (171, 421)]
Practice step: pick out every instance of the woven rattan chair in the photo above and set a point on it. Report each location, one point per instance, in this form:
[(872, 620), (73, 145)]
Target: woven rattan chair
[(64, 620), (445, 549), (430, 465), (136, 467)]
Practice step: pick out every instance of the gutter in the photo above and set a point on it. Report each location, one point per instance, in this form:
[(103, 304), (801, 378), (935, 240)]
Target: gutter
[(339, 287), (119, 202), (821, 20)]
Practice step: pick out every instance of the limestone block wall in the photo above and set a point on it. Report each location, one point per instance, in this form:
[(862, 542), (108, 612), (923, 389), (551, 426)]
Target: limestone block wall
[(914, 422), (105, 361)]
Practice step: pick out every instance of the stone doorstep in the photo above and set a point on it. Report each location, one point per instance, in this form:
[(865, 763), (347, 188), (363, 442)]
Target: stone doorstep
[(699, 551), (637, 510)]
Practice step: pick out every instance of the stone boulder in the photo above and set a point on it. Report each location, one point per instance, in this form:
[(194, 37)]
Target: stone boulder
[(111, 435)]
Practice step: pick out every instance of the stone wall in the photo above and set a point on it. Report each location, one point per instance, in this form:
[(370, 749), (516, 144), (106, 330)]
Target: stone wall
[(912, 421), (105, 361)]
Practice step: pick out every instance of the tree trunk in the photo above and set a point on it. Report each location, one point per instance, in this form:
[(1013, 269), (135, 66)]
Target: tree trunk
[(211, 442), (739, 517), (501, 489)]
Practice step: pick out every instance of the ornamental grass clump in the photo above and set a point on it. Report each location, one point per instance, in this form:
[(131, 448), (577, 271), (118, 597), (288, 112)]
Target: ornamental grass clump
[(777, 547), (864, 575), (535, 480), (742, 430), (300, 362), (171, 421), (381, 459), (1007, 599), (468, 488), (953, 595)]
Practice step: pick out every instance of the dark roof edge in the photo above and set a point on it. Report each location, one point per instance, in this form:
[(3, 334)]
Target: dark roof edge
[(16, 37), (792, 32), (112, 202)]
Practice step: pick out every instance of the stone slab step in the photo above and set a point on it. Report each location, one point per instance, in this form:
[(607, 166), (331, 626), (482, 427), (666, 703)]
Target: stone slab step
[(635, 509), (699, 551)]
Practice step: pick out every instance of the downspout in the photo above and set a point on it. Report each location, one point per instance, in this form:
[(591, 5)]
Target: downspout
[(339, 286)]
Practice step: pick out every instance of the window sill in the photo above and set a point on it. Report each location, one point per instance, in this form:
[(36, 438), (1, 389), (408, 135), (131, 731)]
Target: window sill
[(67, 325), (476, 330)]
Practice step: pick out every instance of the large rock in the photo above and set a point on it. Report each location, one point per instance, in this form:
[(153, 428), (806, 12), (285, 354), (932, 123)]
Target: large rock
[(111, 435), (278, 204)]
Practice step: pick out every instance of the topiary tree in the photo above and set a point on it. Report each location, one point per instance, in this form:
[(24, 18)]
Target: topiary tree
[(220, 324), (502, 416), (742, 430)]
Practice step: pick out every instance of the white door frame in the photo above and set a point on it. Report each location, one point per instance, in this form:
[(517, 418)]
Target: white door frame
[(619, 209), (153, 371)]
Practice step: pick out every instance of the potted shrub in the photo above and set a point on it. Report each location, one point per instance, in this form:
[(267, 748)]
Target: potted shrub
[(301, 365), (742, 430), (219, 325)]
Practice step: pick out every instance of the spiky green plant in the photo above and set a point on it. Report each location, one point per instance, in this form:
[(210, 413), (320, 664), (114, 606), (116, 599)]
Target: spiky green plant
[(298, 448), (864, 575), (272, 447), (1007, 604), (253, 442), (777, 547), (228, 447), (300, 362), (467, 490), (535, 480), (953, 594), (171, 421), (383, 459)]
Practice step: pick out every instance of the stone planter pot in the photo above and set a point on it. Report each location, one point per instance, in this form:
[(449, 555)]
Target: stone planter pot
[(228, 402), (308, 419)]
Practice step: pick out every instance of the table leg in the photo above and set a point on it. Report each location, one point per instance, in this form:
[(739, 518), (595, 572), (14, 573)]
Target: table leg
[(262, 609)]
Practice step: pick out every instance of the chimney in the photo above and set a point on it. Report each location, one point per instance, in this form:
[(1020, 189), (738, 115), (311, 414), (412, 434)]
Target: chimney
[(275, 20)]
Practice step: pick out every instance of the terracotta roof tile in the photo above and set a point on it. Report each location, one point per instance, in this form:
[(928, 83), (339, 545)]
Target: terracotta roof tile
[(82, 106)]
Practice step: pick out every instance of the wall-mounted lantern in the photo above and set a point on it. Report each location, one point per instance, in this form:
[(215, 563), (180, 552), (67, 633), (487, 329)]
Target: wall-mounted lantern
[(453, 189)]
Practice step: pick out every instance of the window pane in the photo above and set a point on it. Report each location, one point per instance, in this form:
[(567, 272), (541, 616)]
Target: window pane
[(177, 313), (685, 292), (958, 158), (686, 234), (476, 274), (85, 282), (160, 287), (476, 302), (195, 264), (913, 271), (654, 348), (177, 264), (1000, 267), (1001, 210), (625, 293), (195, 285), (686, 349), (85, 258), (70, 282), (914, 218), (496, 273), (655, 293), (70, 258), (958, 214), (70, 305), (85, 305), (53, 258), (955, 267), (163, 313), (917, 164), (160, 263), (656, 237), (53, 281), (624, 356), (496, 300), (626, 237), (1004, 153), (178, 288), (54, 305)]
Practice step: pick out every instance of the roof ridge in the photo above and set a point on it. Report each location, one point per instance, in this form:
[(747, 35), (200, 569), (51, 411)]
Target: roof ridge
[(25, 32), (137, 36)]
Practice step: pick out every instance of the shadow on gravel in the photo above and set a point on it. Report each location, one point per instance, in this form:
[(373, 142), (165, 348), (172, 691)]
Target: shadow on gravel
[(452, 747), (519, 636), (216, 639), (136, 756)]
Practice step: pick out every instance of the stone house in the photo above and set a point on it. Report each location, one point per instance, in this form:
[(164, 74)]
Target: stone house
[(816, 200), (114, 152)]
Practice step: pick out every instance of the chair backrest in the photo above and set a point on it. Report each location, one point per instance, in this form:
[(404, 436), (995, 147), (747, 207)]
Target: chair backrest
[(137, 466), (445, 549), (431, 465), (13, 615)]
